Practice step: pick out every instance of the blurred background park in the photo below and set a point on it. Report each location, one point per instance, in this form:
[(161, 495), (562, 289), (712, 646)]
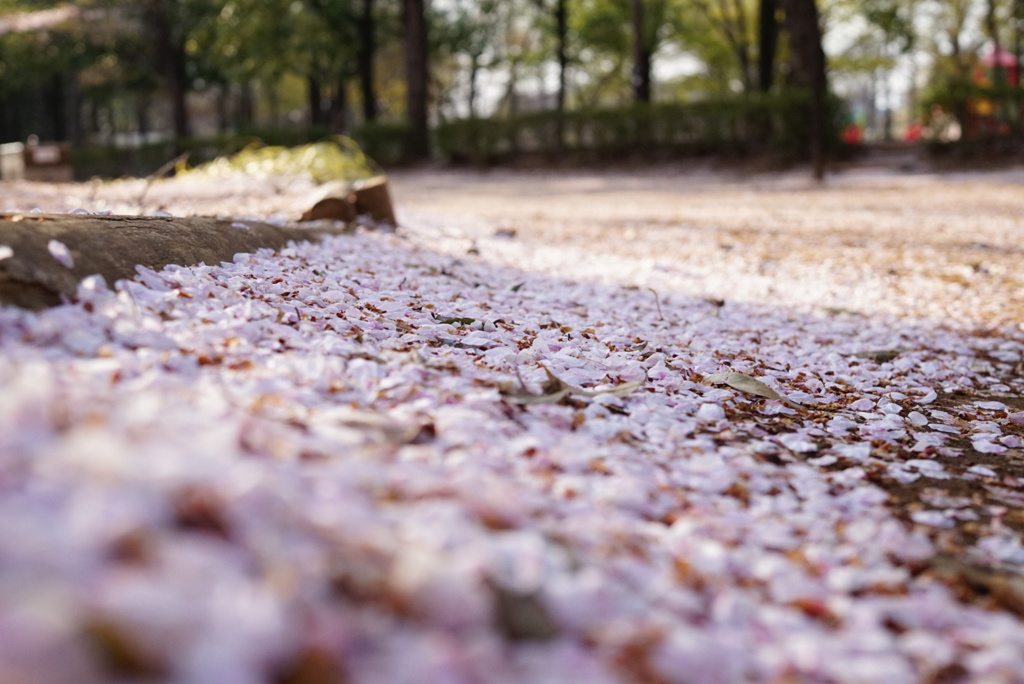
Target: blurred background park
[(128, 85)]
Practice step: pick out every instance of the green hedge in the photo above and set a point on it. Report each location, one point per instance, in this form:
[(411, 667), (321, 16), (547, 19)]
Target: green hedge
[(107, 161), (742, 125), (384, 143), (754, 124)]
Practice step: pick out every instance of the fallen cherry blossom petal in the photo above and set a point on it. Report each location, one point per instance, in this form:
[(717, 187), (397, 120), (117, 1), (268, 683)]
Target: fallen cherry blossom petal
[(986, 446), (59, 251)]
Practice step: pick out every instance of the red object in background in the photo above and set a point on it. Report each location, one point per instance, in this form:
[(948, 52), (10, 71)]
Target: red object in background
[(914, 131), (1005, 60), (853, 134)]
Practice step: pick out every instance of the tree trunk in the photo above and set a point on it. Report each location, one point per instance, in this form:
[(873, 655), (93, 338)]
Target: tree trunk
[(273, 101), (367, 51), (93, 119), (179, 93), (417, 75), (55, 104), (142, 116), (743, 57), (170, 52), (743, 44), (511, 97), (474, 69), (111, 121), (887, 122), (73, 111), (316, 103), (245, 114), (807, 72), (872, 113), (768, 38), (338, 120), (562, 29), (641, 55), (223, 99), (1018, 39), (992, 24)]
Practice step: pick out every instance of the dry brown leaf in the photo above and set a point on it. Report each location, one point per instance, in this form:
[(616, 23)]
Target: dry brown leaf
[(555, 389), (745, 383), (880, 355)]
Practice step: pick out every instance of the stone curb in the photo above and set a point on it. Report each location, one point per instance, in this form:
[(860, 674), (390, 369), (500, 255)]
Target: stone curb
[(112, 246)]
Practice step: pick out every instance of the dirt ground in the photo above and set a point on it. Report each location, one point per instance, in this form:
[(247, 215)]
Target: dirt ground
[(942, 247)]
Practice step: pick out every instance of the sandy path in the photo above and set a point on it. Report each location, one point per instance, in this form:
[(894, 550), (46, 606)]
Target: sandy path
[(945, 248)]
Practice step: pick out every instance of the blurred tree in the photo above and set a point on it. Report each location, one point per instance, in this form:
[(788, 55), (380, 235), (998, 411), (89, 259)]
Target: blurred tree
[(617, 43), (559, 10), (39, 67), (642, 52), (366, 55), (327, 42), (554, 21), (168, 22), (953, 22), (1018, 36), (767, 43), (992, 25), (807, 72), (730, 20), (250, 42), (320, 40), (879, 35), (417, 74), (470, 33), (893, 20)]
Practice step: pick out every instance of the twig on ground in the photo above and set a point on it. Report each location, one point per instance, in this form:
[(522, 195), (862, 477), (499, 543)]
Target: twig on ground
[(657, 302), (159, 173)]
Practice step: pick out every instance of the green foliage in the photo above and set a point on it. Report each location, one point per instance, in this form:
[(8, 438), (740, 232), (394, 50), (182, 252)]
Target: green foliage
[(13, 6), (722, 35), (262, 39), (384, 142), (338, 158), (97, 161), (950, 94), (754, 123), (108, 161), (469, 27), (239, 43), (603, 26), (894, 19), (27, 59), (981, 112), (603, 34), (466, 36)]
